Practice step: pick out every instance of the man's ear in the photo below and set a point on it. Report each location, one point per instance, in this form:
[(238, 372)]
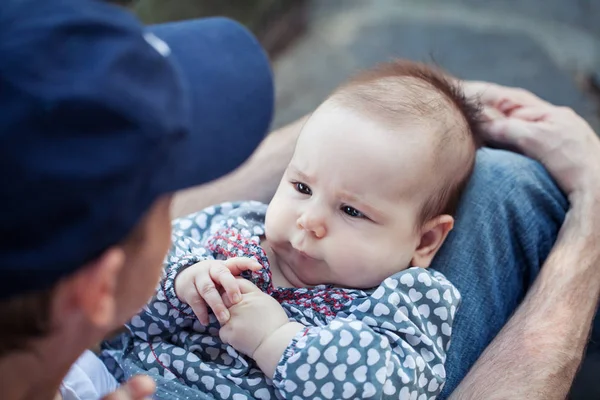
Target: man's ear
[(433, 233), (94, 288)]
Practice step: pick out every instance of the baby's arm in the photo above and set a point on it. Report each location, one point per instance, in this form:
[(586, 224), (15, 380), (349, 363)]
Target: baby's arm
[(399, 334), (200, 286), (165, 311)]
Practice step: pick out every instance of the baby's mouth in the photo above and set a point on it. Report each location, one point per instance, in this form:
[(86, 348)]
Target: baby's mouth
[(302, 255)]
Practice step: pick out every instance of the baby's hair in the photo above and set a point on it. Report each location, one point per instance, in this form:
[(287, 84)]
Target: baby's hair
[(402, 91)]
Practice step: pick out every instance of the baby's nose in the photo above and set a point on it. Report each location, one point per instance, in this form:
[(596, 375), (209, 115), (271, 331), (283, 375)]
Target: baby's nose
[(312, 224)]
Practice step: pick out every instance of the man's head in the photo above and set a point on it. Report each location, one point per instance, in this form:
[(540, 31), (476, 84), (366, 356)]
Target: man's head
[(375, 178), (100, 295), (99, 130)]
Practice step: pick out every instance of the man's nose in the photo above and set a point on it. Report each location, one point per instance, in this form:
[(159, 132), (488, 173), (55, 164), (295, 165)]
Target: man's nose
[(313, 223)]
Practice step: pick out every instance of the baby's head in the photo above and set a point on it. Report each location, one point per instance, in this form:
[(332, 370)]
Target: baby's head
[(375, 178)]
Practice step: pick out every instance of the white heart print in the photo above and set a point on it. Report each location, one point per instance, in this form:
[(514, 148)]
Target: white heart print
[(407, 280), (331, 354), (349, 390), (339, 372), (372, 357), (327, 390), (391, 283), (321, 371), (345, 338), (309, 389), (381, 309)]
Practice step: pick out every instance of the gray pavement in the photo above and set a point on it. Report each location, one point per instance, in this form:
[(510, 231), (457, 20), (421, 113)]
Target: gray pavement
[(543, 45), (547, 46)]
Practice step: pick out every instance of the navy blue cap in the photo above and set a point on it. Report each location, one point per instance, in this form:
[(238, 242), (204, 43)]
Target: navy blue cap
[(99, 116)]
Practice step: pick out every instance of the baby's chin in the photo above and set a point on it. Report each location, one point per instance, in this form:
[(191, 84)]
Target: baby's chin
[(293, 278)]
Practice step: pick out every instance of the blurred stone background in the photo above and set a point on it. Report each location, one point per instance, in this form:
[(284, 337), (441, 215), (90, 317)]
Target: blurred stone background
[(551, 47)]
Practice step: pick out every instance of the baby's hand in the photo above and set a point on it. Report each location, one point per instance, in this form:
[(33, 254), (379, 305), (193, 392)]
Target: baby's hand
[(199, 285), (253, 319)]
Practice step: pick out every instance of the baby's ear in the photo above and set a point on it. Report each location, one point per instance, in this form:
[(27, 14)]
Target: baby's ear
[(433, 233)]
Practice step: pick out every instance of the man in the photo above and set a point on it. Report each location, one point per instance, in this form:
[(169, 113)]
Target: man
[(99, 131), (99, 126)]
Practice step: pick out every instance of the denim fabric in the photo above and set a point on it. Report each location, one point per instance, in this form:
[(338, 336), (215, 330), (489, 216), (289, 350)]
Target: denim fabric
[(505, 227)]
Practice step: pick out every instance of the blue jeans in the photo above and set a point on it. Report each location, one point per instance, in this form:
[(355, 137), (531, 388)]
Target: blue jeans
[(505, 227)]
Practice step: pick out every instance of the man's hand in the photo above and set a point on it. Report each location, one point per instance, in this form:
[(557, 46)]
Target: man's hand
[(137, 388), (256, 317), (549, 331), (556, 136), (199, 285)]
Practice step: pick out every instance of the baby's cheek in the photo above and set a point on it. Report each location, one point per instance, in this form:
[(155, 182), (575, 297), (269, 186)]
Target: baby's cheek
[(354, 262), (275, 222)]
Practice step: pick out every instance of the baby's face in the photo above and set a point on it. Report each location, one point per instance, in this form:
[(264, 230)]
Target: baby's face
[(346, 210)]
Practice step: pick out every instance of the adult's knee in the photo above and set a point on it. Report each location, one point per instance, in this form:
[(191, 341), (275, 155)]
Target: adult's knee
[(510, 180), (519, 197)]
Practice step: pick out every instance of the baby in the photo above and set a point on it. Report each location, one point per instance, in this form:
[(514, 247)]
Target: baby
[(324, 292)]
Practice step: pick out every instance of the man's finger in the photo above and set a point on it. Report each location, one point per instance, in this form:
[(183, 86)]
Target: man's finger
[(207, 290), (137, 388), (237, 265), (491, 94), (509, 133), (475, 89), (246, 286), (532, 114)]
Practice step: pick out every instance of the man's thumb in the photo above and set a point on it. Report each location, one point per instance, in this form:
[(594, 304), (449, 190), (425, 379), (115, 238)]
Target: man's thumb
[(137, 388)]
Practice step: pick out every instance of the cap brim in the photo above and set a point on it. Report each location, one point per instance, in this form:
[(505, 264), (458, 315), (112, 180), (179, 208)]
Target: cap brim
[(230, 86)]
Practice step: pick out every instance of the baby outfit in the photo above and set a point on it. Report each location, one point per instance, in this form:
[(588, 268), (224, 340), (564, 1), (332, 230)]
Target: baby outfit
[(387, 342)]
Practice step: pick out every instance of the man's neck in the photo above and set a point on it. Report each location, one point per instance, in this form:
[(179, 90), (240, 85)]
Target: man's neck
[(36, 374)]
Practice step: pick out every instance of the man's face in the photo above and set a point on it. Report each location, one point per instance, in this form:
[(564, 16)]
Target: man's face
[(145, 253), (347, 208)]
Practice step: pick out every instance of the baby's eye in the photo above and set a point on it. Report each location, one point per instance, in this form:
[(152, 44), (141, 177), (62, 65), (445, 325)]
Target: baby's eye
[(302, 188), (353, 212)]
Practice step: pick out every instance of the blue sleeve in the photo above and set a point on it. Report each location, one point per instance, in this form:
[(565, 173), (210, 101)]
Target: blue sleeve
[(393, 344)]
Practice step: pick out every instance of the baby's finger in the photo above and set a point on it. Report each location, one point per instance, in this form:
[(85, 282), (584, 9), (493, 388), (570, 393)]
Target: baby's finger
[(246, 286), (200, 308), (227, 300), (221, 275), (237, 265), (212, 297)]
